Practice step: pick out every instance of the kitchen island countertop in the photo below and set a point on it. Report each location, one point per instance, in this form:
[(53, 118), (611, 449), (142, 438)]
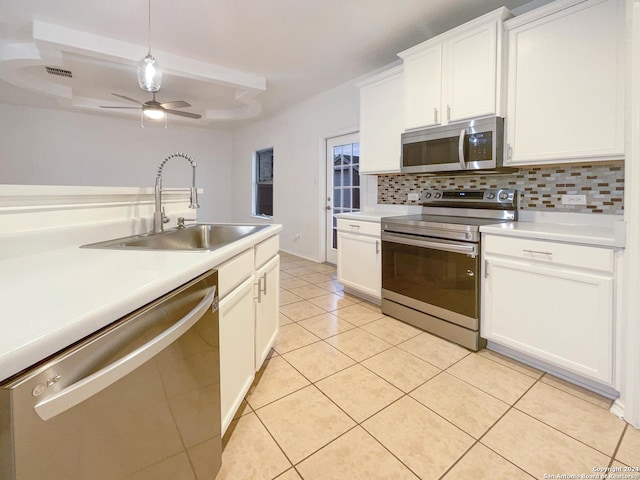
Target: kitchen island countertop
[(54, 298)]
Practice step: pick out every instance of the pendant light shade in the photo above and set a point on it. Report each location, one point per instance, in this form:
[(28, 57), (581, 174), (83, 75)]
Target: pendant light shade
[(149, 74)]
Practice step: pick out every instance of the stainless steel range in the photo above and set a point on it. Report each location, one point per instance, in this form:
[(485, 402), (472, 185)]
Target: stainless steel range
[(431, 265)]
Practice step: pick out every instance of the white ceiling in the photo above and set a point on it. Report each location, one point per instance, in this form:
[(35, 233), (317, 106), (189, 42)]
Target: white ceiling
[(232, 60)]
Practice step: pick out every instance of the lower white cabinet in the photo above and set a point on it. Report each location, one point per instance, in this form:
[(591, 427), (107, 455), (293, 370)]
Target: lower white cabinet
[(267, 319), (360, 257), (237, 348), (249, 320), (552, 302)]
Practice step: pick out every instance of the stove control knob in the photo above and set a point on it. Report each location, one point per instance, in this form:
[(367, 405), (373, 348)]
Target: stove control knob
[(437, 194), (491, 195), (503, 195), (427, 195)]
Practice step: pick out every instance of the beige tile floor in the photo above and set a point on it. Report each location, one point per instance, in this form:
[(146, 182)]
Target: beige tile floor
[(349, 393)]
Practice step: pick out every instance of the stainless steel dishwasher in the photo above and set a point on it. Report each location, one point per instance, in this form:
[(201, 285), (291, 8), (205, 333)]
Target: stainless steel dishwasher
[(138, 400)]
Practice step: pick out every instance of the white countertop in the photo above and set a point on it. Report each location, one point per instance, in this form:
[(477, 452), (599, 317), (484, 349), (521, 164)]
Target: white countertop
[(597, 235), (377, 214), (52, 299)]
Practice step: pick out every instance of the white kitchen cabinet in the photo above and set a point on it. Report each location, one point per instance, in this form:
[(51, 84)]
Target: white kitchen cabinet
[(565, 87), (552, 302), (267, 319), (248, 326), (360, 257), (381, 122), (422, 97), (455, 76), (237, 349)]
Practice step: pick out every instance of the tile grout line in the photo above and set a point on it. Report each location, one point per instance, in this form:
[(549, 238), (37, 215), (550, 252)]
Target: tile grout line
[(615, 452)]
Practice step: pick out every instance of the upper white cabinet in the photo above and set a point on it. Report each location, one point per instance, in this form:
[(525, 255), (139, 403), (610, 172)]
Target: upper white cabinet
[(565, 83), (455, 76), (381, 122)]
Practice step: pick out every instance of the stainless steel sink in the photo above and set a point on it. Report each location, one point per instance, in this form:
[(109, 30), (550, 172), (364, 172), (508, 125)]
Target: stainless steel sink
[(198, 237)]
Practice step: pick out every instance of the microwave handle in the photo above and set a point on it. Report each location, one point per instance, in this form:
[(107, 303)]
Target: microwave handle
[(463, 162)]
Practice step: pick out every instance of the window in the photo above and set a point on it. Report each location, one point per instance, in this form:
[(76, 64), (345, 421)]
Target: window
[(263, 186)]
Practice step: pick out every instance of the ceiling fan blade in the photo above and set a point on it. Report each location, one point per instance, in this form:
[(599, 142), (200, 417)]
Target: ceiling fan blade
[(128, 98), (176, 104), (126, 108), (183, 114)]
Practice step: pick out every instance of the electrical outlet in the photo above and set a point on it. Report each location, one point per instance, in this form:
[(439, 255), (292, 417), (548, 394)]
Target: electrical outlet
[(413, 197), (574, 199)]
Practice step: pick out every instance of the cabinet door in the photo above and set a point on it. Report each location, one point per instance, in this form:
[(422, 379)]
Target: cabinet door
[(423, 88), (559, 315), (237, 354), (381, 123), (359, 263), (267, 309), (565, 85), (471, 73)]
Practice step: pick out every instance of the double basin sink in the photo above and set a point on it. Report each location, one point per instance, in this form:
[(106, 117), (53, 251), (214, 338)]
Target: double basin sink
[(201, 237)]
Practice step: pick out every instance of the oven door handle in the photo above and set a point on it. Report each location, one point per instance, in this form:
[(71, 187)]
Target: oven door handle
[(468, 249)]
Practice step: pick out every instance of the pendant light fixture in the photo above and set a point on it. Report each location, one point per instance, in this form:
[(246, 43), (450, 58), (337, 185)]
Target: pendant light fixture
[(149, 74)]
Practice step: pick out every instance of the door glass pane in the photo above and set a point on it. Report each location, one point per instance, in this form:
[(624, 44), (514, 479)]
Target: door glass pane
[(346, 182), (337, 155), (356, 154), (346, 177)]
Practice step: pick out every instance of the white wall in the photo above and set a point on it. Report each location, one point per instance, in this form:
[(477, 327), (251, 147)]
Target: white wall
[(48, 147), (296, 136)]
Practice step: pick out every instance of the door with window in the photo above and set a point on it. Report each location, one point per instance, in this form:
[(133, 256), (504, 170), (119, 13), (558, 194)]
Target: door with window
[(343, 185)]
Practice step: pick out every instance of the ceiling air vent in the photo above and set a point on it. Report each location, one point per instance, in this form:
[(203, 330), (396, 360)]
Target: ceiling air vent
[(59, 72)]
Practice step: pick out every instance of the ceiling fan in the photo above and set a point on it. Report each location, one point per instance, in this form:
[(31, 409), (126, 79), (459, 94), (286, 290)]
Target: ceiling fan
[(156, 110)]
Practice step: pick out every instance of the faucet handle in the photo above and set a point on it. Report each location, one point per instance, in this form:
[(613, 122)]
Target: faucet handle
[(165, 219), (181, 221)]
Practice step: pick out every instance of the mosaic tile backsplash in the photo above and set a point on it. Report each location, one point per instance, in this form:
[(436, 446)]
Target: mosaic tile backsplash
[(540, 188)]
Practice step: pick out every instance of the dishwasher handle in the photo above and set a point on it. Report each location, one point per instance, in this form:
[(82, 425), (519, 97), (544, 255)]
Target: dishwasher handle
[(89, 386)]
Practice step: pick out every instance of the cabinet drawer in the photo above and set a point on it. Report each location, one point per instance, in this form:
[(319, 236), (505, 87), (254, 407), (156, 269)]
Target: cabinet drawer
[(556, 253), (234, 271), (358, 226), (266, 250)]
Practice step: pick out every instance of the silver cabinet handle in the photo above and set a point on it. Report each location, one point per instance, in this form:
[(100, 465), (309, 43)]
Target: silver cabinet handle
[(354, 226), (262, 287), (463, 162), (448, 113), (377, 246), (509, 152), (264, 277), (435, 115), (98, 381), (538, 252)]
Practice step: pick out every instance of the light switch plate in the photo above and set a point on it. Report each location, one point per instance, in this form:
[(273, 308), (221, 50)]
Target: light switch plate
[(413, 197)]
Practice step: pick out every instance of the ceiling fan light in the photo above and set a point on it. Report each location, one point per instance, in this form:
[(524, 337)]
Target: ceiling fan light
[(154, 113), (149, 74)]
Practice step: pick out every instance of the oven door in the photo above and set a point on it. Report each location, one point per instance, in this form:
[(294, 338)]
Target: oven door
[(438, 277)]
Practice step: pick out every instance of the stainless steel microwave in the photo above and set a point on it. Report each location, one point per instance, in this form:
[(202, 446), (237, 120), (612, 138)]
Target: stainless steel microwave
[(466, 147)]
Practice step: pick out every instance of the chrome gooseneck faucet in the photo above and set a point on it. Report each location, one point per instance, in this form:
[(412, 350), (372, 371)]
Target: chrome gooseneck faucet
[(159, 218)]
